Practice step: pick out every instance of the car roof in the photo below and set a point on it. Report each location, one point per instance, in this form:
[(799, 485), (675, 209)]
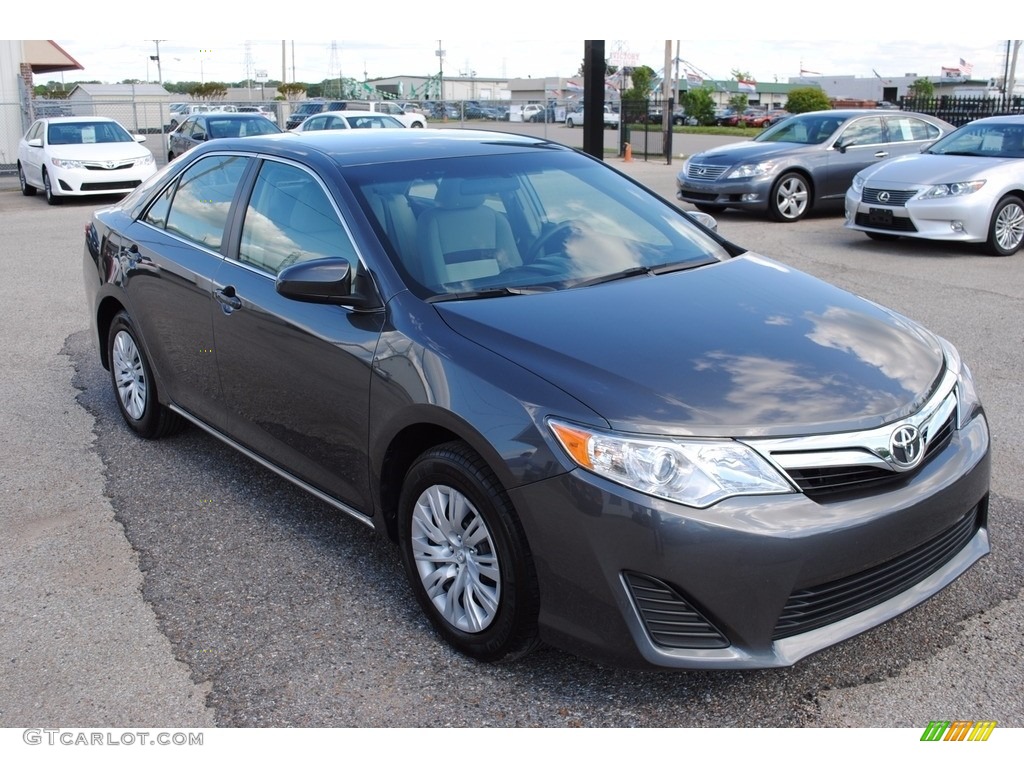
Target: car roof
[(350, 113), (348, 148), (79, 119)]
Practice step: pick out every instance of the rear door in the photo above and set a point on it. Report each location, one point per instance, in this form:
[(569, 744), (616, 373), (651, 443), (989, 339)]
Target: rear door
[(168, 259)]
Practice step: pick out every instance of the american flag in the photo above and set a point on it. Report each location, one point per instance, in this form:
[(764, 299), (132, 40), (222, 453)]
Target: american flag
[(966, 68)]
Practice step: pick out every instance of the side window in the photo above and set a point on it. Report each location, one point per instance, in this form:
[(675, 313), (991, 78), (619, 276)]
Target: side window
[(289, 220), (911, 129), (199, 208), (198, 129), (315, 124), (36, 131), (865, 131)]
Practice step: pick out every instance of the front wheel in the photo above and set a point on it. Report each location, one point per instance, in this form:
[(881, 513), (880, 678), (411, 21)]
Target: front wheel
[(790, 198), (26, 189), (51, 198), (133, 383), (1006, 231), (466, 555)]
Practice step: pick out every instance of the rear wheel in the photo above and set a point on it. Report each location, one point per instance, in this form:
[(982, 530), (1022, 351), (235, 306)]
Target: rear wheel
[(790, 198), (466, 555), (133, 383), (1006, 231)]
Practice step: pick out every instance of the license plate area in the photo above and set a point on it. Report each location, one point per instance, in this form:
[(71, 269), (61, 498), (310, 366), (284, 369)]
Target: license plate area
[(880, 217)]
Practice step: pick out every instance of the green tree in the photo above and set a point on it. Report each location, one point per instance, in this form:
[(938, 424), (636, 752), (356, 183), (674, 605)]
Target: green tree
[(700, 105), (292, 90), (643, 80), (922, 88), (807, 99), (738, 101)]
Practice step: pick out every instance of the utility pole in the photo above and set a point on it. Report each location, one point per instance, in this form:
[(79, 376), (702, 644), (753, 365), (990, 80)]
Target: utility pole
[(159, 70), (440, 70)]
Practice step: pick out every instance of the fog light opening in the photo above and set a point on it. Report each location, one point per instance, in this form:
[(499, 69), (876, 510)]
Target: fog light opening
[(956, 226), (749, 197)]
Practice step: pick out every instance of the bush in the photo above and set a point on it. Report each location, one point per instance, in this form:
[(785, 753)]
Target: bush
[(807, 100)]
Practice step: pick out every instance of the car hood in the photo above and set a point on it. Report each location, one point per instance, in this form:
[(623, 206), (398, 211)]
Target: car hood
[(751, 151), (933, 169), (743, 347), (115, 150)]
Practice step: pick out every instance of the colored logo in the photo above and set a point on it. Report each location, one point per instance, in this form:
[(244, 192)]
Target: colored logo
[(958, 730)]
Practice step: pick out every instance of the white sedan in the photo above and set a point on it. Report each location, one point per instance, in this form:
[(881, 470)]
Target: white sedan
[(344, 119), (611, 118), (967, 187), (74, 156)]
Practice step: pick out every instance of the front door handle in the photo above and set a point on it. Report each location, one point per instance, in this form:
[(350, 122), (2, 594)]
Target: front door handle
[(229, 302)]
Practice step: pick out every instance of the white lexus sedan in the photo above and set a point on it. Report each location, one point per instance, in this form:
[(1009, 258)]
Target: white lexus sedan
[(966, 187), (73, 156)]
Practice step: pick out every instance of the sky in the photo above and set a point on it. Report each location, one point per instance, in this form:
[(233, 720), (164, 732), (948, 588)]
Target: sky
[(398, 37)]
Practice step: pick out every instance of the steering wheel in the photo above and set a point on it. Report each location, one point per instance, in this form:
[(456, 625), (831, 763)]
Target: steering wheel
[(561, 230)]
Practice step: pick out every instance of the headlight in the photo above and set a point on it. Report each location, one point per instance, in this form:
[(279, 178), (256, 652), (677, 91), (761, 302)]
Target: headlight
[(694, 472), (147, 160), (748, 170), (858, 183), (956, 189), (61, 163), (967, 401)]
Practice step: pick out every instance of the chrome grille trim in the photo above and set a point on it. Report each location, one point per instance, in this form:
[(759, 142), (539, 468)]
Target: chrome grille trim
[(851, 461), (897, 197), (701, 172)]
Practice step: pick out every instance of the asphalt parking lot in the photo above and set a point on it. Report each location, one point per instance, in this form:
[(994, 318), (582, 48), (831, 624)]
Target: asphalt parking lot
[(175, 583)]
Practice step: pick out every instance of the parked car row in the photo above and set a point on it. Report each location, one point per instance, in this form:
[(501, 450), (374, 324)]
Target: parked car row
[(897, 174)]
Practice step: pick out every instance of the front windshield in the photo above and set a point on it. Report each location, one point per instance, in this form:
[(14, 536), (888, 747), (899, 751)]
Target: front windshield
[(810, 128), (983, 140), (87, 132), (523, 222)]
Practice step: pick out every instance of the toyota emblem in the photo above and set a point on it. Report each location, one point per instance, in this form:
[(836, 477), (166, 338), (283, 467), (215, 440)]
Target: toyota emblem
[(906, 447)]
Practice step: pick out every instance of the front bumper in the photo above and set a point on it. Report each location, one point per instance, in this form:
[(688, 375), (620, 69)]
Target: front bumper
[(617, 567), (75, 182), (961, 219), (751, 194)]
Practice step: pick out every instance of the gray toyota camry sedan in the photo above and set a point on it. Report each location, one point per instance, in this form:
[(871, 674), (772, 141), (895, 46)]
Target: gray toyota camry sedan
[(585, 419)]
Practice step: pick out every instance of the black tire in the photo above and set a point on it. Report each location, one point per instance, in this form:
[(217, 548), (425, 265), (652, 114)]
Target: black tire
[(882, 237), (1006, 230), (134, 385), (26, 189), (483, 596), (710, 209), (790, 198), (51, 198)]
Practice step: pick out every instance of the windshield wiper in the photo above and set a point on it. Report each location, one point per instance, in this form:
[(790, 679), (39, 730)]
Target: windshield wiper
[(631, 272), (489, 293), (679, 266)]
